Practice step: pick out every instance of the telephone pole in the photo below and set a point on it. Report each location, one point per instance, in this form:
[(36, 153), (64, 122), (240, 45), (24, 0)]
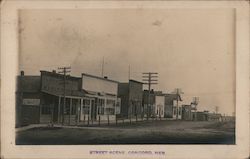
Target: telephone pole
[(178, 92), (195, 103), (64, 71), (216, 109), (102, 67), (150, 79)]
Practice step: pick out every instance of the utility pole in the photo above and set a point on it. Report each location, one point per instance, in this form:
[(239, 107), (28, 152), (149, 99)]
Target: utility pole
[(64, 70), (195, 103), (150, 79), (178, 92), (216, 109), (102, 66), (128, 72)]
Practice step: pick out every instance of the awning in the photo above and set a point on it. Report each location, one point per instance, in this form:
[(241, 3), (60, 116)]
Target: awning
[(68, 94)]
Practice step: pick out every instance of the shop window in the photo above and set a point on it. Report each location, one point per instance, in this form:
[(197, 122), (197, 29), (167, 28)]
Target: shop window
[(86, 106), (100, 106), (110, 103), (110, 111), (100, 110)]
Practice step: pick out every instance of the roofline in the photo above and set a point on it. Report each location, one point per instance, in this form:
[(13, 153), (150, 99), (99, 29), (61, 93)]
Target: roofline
[(58, 74), (101, 78), (135, 81), (28, 76)]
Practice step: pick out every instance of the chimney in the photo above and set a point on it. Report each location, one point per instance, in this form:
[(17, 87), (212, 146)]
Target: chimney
[(22, 73)]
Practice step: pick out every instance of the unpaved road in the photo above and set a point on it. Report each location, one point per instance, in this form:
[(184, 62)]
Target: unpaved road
[(153, 132)]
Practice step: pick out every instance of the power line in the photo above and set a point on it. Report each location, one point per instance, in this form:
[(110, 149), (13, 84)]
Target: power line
[(64, 71), (149, 77)]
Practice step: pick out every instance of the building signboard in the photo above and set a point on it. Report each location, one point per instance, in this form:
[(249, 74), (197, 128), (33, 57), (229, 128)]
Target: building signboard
[(31, 101)]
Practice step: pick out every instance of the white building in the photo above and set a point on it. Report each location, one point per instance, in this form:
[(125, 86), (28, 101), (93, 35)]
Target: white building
[(177, 109), (159, 106), (104, 104)]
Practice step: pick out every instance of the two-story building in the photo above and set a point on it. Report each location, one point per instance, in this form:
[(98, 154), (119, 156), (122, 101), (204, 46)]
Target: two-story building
[(173, 109), (49, 98), (131, 99)]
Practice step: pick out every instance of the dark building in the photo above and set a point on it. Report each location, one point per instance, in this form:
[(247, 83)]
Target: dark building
[(202, 116), (131, 99), (148, 103), (40, 99), (214, 117), (186, 112), (28, 100), (171, 106)]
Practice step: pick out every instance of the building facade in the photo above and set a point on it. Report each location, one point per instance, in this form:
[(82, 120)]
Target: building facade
[(173, 109), (49, 98), (186, 112), (28, 100), (131, 99), (159, 106), (61, 98), (148, 103), (104, 103)]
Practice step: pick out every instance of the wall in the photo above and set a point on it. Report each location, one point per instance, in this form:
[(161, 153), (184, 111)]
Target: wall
[(186, 112), (27, 100), (99, 85), (135, 98), (54, 83), (123, 94), (159, 105)]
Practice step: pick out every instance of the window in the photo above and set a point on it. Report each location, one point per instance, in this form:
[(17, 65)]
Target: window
[(86, 106), (118, 106), (110, 111), (100, 106), (110, 103)]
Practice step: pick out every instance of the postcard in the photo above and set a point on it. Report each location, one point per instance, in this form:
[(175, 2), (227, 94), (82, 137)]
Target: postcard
[(125, 79)]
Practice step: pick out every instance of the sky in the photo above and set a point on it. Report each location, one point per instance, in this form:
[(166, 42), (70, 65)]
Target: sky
[(191, 49)]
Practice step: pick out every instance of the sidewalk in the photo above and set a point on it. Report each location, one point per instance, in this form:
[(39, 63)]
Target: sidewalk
[(91, 124)]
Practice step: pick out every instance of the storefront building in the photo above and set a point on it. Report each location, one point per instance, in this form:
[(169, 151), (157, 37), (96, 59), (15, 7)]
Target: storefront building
[(173, 108), (50, 98), (131, 99), (27, 100), (159, 106), (104, 103), (62, 98)]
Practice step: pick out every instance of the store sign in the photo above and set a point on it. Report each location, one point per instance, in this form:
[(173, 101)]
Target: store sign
[(31, 101)]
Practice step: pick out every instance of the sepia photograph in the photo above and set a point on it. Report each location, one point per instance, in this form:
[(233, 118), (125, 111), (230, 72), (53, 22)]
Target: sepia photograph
[(127, 76), (125, 79)]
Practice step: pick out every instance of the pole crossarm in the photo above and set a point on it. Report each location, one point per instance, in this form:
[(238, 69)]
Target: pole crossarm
[(150, 79), (64, 71)]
